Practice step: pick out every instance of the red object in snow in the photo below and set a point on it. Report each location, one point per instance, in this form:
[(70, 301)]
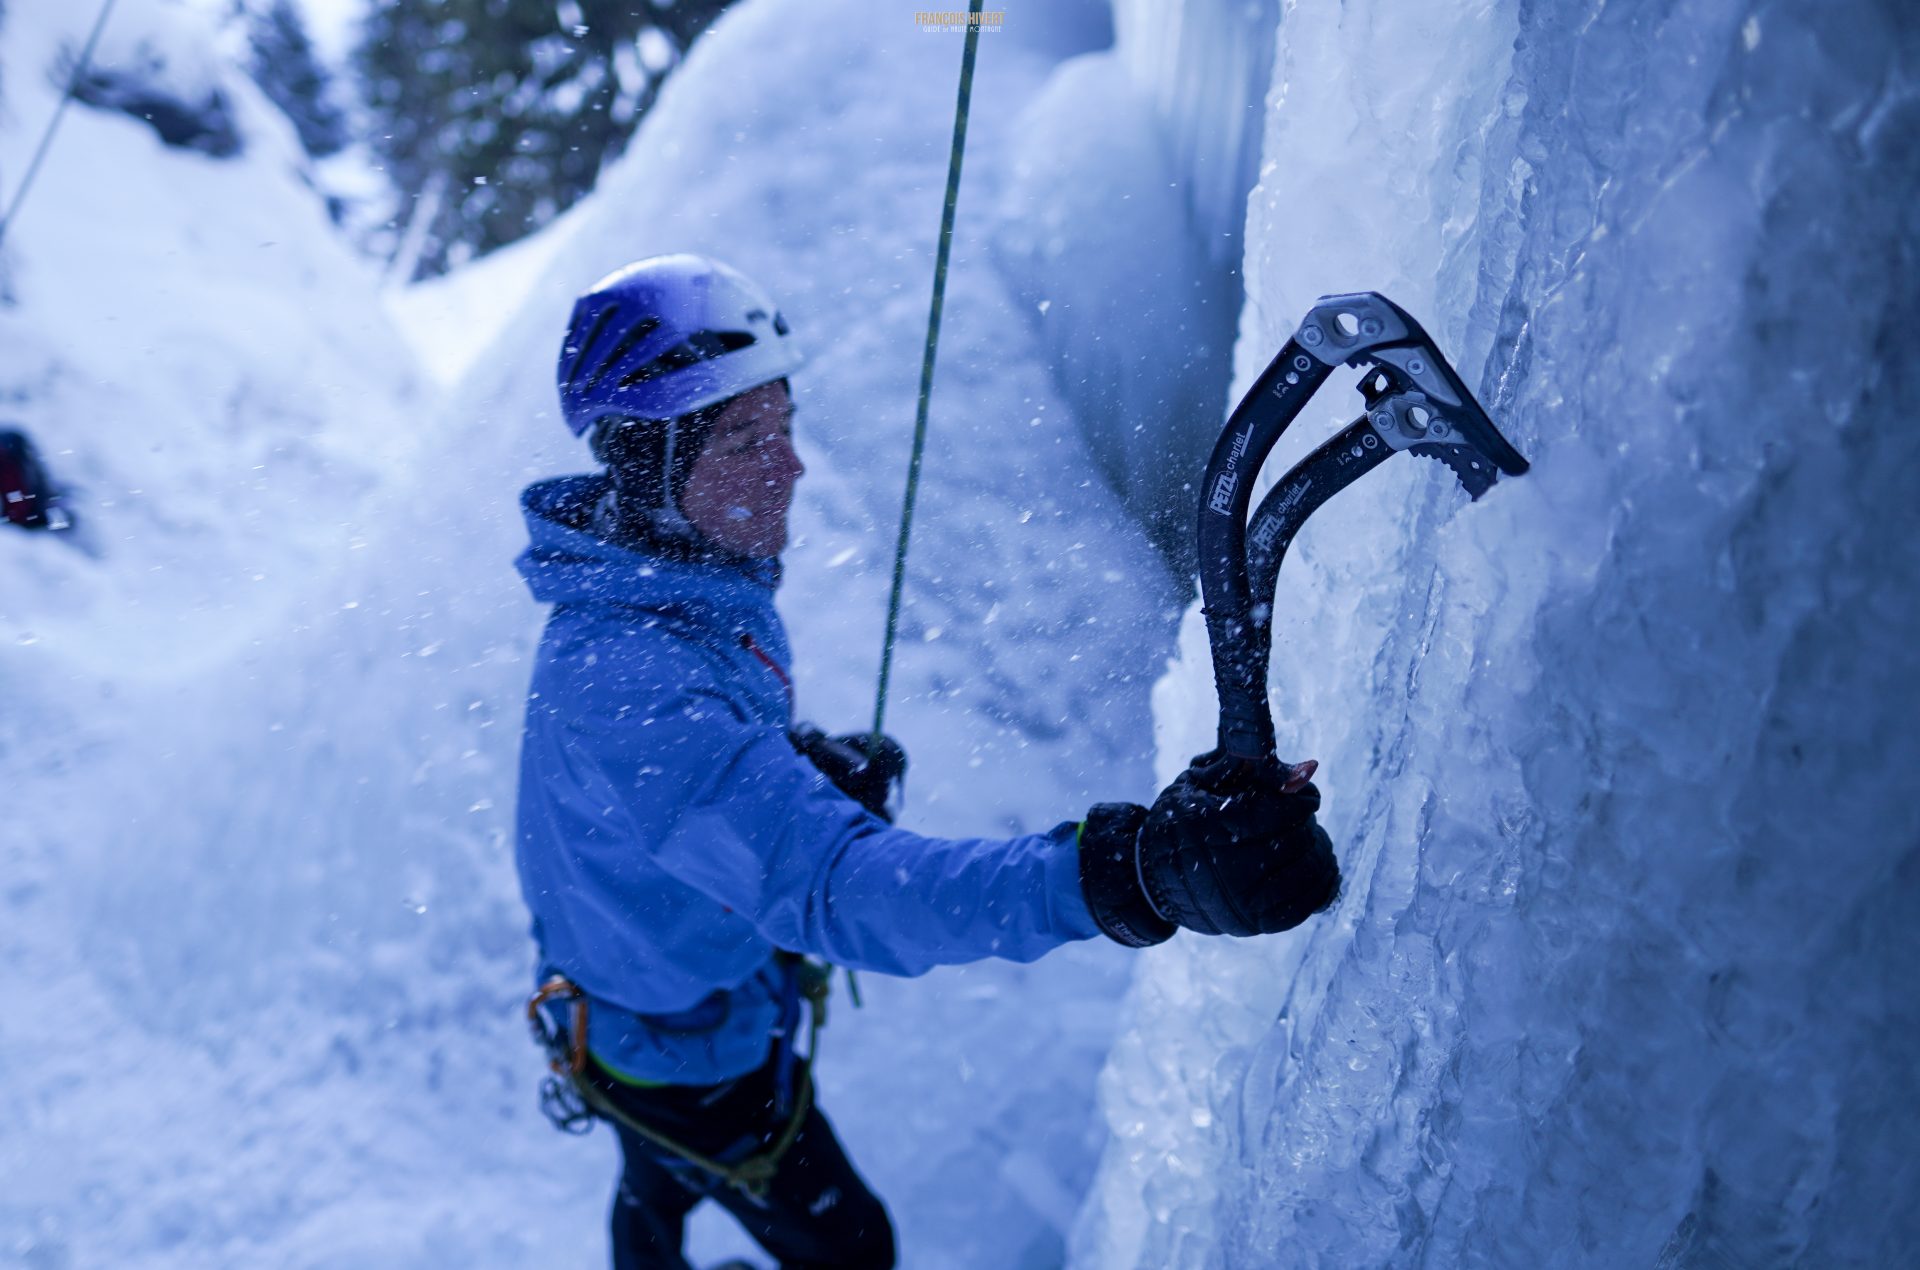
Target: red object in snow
[(27, 497)]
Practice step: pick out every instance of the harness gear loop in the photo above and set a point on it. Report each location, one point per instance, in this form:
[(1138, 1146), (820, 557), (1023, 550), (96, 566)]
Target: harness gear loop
[(560, 1099), (574, 1061), (954, 157), (571, 1100)]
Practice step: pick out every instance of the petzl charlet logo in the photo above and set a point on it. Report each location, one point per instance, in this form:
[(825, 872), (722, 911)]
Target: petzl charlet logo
[(1268, 527), (959, 20), (1221, 500)]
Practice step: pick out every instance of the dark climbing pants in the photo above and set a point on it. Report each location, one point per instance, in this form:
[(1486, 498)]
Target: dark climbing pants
[(817, 1213)]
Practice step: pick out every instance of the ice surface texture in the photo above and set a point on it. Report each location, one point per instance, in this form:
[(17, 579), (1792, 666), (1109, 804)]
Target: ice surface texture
[(1619, 760), (1121, 230), (1137, 324)]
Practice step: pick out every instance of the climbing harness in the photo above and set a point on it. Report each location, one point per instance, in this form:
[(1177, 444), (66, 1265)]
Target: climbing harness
[(53, 124), (572, 1101), (954, 158), (1414, 402)]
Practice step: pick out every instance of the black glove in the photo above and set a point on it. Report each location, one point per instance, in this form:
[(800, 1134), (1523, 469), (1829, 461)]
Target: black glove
[(863, 770), (1226, 850), (1110, 876)]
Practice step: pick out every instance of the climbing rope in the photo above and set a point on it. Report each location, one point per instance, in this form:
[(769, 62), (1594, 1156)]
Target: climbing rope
[(46, 138), (926, 363)]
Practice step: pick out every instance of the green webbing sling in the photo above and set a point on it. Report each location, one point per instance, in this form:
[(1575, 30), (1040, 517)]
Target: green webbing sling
[(570, 1061), (755, 1174)]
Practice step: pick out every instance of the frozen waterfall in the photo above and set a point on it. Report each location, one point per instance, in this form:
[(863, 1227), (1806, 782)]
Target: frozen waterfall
[(1615, 759)]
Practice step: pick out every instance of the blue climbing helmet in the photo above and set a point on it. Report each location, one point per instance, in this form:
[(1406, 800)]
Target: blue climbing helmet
[(666, 336)]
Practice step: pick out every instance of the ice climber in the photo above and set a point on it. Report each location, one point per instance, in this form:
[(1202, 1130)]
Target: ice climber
[(687, 851)]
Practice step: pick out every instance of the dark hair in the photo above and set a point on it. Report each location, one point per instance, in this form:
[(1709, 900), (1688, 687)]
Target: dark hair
[(648, 464), (636, 453)]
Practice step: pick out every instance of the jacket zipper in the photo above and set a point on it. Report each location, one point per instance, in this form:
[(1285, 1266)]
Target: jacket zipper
[(751, 645)]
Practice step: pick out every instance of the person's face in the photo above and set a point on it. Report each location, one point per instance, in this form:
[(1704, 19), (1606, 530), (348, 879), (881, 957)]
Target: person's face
[(741, 486)]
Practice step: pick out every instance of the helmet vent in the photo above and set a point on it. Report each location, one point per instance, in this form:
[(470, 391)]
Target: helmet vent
[(587, 341), (696, 348), (628, 342)]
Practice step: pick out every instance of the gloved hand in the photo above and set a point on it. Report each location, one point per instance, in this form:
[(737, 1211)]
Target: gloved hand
[(863, 771), (1227, 849)]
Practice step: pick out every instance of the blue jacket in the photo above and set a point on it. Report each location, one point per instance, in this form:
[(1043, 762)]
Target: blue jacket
[(670, 838)]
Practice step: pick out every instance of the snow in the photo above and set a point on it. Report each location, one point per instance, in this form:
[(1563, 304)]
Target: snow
[(334, 27), (1122, 232), (1205, 69), (451, 321), (1614, 758), (265, 736), (1140, 351)]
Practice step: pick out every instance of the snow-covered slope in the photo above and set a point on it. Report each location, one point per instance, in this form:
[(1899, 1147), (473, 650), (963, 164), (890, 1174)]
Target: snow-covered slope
[(1617, 758), (266, 739), (450, 320), (212, 375)]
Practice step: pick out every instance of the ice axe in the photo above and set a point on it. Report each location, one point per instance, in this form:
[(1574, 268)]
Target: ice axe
[(1415, 403)]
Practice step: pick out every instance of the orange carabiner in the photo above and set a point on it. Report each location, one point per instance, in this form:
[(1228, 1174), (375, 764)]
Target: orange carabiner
[(561, 988)]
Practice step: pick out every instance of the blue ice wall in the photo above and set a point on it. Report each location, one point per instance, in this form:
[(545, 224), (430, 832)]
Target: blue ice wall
[(1121, 233), (1618, 759)]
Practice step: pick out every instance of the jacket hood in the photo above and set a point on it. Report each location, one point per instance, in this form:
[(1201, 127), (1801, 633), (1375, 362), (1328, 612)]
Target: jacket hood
[(568, 562)]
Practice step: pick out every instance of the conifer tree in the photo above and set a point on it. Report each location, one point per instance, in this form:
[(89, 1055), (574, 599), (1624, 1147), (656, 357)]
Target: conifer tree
[(284, 64), (493, 116)]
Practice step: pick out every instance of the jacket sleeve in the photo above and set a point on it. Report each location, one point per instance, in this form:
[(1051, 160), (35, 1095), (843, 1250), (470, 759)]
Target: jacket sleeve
[(728, 807)]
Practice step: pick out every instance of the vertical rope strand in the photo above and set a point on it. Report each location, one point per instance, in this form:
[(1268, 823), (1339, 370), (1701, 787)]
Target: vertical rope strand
[(926, 364), (46, 138)]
